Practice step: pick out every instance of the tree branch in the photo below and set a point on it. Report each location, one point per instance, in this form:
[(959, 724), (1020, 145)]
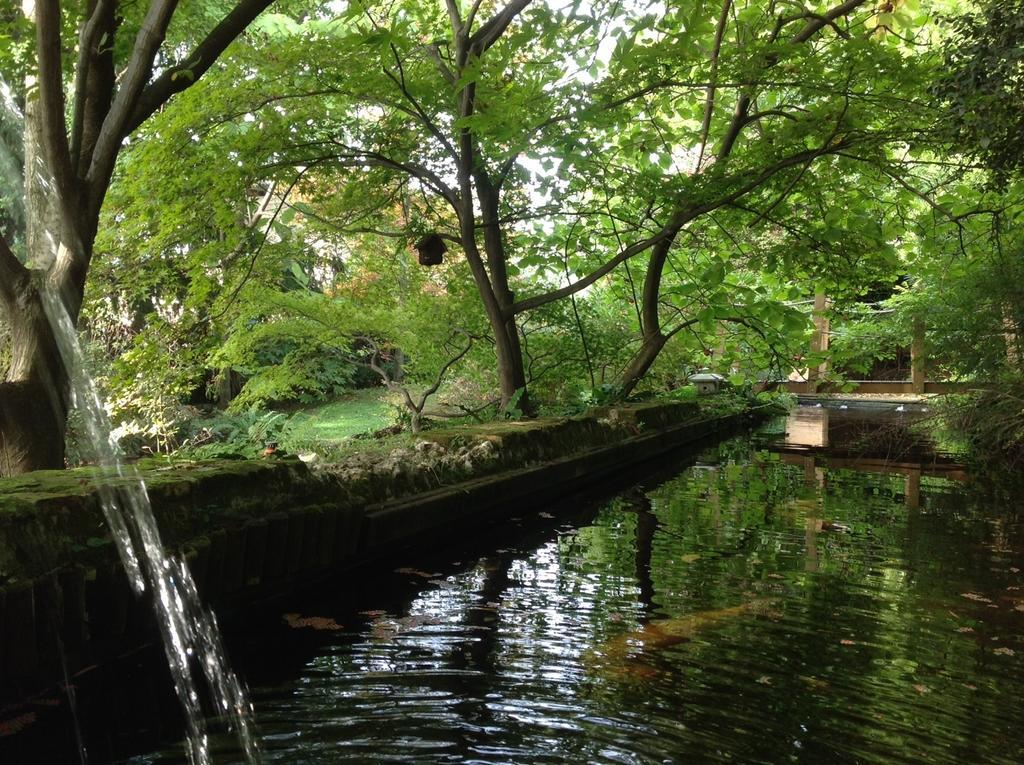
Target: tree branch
[(51, 96), (495, 27), (709, 103), (682, 216), (434, 53), (827, 19), (741, 114), (444, 369), (147, 43), (418, 109), (86, 44), (194, 65), (455, 16), (472, 15)]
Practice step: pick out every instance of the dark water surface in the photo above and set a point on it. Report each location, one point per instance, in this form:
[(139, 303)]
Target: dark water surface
[(839, 596)]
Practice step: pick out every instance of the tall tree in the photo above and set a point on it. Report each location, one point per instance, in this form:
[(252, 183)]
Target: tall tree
[(77, 124), (568, 141)]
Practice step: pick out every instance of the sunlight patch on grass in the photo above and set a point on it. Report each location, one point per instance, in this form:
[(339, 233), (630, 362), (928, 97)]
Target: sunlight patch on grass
[(361, 412)]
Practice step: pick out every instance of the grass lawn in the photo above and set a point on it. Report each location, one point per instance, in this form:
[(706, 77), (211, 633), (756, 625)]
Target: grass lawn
[(360, 412)]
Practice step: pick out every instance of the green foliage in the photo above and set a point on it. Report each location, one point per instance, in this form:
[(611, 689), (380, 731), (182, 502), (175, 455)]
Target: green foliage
[(981, 86), (685, 393), (990, 422), (243, 435), (264, 216), (777, 402), (147, 385)]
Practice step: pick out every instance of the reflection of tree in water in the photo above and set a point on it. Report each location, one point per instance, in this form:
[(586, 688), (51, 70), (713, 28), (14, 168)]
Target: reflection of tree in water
[(639, 503)]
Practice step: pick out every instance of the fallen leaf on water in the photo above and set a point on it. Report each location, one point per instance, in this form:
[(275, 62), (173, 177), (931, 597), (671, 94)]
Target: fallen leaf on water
[(1014, 569), (312, 622), (975, 597), (922, 689), (844, 641), (965, 629), (414, 572), (814, 682), (1019, 607), (764, 680), (1004, 651), (17, 724), (970, 687), (384, 630), (417, 620), (689, 558)]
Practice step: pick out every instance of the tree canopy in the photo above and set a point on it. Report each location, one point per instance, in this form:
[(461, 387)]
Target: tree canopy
[(626, 192)]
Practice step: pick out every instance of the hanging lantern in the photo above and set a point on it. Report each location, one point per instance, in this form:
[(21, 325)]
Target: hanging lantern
[(431, 249)]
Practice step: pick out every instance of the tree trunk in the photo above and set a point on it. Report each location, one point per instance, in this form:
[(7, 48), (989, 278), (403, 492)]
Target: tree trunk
[(34, 398), (512, 373), (398, 361), (653, 338), (67, 179), (641, 362), (31, 432)]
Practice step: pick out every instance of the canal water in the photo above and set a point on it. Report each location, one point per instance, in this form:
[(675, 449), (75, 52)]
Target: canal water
[(830, 590)]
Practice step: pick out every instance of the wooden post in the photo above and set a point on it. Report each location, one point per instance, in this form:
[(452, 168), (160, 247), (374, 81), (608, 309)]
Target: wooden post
[(917, 357), (912, 489), (819, 340)]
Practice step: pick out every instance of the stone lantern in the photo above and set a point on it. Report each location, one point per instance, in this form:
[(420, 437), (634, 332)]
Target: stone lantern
[(706, 382)]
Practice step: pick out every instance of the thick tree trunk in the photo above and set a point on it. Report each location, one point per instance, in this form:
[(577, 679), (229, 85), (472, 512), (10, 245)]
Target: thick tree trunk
[(511, 373), (31, 431), (34, 398), (67, 177)]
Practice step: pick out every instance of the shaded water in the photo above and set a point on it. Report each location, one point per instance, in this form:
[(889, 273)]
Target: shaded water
[(839, 595), (759, 606)]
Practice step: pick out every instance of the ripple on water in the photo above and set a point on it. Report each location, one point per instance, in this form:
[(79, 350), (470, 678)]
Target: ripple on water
[(738, 613)]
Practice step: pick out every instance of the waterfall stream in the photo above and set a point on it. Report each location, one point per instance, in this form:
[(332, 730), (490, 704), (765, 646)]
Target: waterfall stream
[(188, 629)]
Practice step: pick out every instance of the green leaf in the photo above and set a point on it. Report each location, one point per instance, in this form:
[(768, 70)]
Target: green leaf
[(713, 275)]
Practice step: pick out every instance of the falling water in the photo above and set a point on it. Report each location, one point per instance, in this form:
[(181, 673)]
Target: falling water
[(189, 630)]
